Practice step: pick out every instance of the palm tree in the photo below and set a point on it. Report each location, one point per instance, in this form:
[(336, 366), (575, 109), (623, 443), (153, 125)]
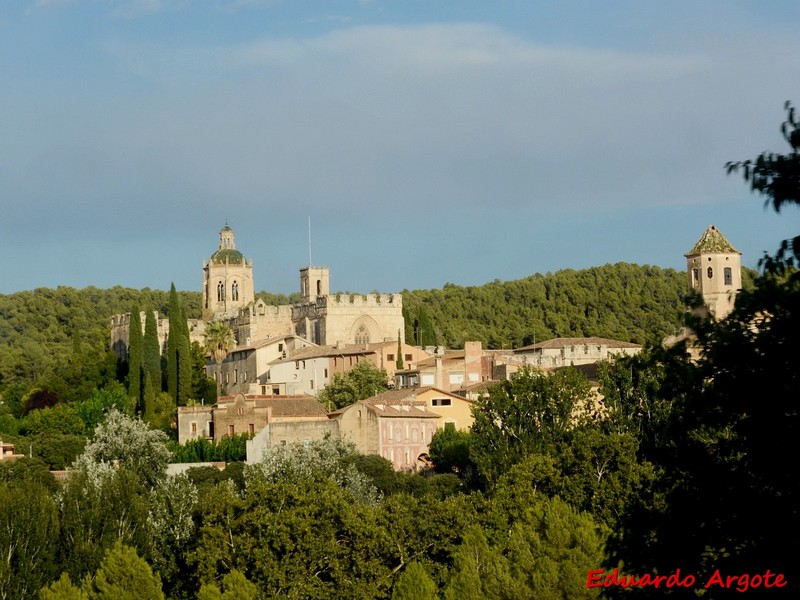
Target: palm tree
[(218, 341)]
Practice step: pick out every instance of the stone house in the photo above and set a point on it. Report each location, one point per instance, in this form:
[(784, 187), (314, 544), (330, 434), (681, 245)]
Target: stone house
[(448, 370), (234, 415), (565, 352), (451, 408), (307, 370), (399, 431)]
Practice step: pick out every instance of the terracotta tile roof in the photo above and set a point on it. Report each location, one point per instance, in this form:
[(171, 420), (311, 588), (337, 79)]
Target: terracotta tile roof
[(406, 395), (327, 351), (481, 386), (712, 242), (556, 343), (283, 406), (403, 410)]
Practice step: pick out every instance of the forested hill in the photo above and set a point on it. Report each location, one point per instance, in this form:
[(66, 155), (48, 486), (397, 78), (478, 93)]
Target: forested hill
[(622, 301), (39, 328)]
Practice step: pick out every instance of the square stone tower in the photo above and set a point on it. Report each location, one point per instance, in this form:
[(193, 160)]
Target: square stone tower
[(227, 279), (314, 282)]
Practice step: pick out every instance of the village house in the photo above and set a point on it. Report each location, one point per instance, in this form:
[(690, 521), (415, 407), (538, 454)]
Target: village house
[(309, 369), (397, 430), (452, 408), (233, 415), (447, 370)]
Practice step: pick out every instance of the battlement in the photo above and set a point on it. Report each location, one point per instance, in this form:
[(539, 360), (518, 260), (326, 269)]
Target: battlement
[(393, 300), (260, 310)]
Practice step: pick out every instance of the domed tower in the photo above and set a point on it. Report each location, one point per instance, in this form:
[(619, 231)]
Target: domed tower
[(715, 271), (227, 279)]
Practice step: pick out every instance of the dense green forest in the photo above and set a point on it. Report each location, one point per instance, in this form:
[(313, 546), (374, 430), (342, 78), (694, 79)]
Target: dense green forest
[(623, 301)]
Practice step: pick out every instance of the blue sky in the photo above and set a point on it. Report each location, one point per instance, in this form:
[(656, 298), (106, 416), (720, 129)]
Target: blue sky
[(430, 142)]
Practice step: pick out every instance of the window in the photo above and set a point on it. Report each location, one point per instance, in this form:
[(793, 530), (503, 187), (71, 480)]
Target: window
[(251, 429), (276, 391), (311, 384), (710, 272), (230, 429), (408, 357), (326, 373), (362, 336), (194, 428), (280, 347), (390, 357), (695, 277), (441, 402), (728, 274), (264, 390), (220, 292), (235, 291)]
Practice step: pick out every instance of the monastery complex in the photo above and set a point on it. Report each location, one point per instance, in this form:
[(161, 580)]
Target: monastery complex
[(284, 355)]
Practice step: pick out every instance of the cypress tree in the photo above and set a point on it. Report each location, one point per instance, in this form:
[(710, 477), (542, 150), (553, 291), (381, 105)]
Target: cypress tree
[(399, 362), (184, 362), (173, 342), (151, 349), (179, 355), (135, 358), (149, 397)]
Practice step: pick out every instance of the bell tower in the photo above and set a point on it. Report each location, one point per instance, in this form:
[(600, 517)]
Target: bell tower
[(715, 271), (227, 279), (314, 282)]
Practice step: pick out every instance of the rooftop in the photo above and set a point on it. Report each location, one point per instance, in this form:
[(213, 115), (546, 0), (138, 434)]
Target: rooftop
[(712, 242)]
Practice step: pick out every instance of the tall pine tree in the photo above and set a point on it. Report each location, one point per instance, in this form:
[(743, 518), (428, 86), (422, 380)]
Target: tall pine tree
[(151, 350), (179, 359), (135, 359)]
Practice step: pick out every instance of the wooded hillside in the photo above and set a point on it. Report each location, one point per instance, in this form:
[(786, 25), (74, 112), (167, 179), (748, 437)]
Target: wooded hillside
[(41, 329), (622, 301)]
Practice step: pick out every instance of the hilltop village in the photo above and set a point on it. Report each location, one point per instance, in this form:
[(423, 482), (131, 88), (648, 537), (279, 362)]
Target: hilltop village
[(282, 358)]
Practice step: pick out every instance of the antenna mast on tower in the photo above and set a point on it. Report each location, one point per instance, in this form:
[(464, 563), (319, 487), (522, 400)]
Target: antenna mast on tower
[(309, 240)]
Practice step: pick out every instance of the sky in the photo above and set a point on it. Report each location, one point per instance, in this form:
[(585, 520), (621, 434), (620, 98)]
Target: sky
[(428, 142)]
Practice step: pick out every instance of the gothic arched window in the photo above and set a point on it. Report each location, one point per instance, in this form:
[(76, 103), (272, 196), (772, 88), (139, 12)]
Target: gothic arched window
[(235, 291), (362, 335), (220, 292)]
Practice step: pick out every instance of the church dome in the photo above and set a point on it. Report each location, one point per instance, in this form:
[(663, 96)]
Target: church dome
[(231, 256), (227, 252)]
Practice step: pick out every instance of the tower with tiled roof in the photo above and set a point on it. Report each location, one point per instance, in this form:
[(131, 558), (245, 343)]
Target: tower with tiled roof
[(715, 271), (227, 279)]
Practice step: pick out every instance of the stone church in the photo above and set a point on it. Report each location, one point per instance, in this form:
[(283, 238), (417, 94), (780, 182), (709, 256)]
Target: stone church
[(320, 317)]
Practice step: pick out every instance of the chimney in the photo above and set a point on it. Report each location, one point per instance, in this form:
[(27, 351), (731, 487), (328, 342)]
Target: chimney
[(438, 378)]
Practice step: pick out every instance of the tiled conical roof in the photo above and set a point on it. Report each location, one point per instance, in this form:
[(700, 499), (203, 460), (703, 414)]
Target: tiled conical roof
[(712, 242)]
